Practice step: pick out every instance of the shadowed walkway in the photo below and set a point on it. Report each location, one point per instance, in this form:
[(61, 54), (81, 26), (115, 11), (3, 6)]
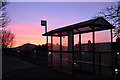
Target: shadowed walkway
[(14, 68)]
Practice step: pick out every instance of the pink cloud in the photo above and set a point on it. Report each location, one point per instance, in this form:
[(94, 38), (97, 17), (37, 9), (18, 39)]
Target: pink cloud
[(26, 32)]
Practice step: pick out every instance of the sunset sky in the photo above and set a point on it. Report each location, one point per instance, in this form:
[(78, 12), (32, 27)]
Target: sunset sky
[(26, 19)]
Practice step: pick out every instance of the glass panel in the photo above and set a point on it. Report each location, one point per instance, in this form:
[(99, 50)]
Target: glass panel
[(106, 64), (76, 42), (76, 56), (86, 42), (87, 56), (103, 41), (56, 43), (97, 63), (65, 43), (49, 59), (49, 43), (67, 63), (102, 36), (56, 60), (87, 61), (77, 60)]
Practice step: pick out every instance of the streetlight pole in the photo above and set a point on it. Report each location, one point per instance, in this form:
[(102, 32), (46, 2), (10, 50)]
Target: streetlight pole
[(44, 23)]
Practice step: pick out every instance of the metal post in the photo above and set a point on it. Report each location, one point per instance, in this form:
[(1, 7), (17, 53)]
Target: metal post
[(69, 51), (80, 50), (93, 52), (60, 52), (51, 50), (44, 23), (72, 52), (47, 46), (71, 46), (112, 55), (46, 36)]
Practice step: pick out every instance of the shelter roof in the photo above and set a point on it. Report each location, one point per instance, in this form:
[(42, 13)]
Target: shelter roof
[(97, 24)]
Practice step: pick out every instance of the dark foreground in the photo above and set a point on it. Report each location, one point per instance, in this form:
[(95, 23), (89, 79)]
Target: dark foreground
[(16, 69)]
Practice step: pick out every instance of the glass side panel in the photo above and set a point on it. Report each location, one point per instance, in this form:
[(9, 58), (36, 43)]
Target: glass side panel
[(67, 63), (65, 43)]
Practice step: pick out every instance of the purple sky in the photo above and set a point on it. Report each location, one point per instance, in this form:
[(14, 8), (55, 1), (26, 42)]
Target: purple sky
[(26, 17)]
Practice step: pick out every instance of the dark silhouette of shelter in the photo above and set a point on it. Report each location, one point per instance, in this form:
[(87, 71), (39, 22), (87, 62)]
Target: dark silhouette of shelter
[(97, 24), (93, 25)]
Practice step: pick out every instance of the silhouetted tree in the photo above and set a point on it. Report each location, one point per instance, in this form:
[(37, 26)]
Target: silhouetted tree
[(4, 18), (7, 39), (7, 36), (112, 14)]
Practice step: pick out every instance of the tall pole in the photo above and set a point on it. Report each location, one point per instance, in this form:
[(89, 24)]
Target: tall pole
[(51, 51), (93, 52), (112, 55), (80, 50), (46, 43), (46, 36), (44, 23), (60, 52)]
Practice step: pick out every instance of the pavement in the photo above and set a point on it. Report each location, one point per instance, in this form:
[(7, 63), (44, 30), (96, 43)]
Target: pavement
[(16, 69)]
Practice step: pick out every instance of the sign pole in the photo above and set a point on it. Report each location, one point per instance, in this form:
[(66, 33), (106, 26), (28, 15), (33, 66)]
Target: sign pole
[(44, 23)]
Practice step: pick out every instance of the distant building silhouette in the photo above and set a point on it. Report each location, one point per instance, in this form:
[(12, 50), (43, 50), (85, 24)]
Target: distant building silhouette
[(98, 46)]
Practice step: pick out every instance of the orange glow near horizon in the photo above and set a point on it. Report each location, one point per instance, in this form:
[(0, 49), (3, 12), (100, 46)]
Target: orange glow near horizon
[(30, 33)]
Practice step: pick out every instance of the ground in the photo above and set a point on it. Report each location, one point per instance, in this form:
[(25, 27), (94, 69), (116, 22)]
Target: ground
[(14, 68)]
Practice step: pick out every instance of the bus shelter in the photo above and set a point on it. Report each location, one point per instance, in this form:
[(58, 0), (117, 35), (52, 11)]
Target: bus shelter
[(70, 60)]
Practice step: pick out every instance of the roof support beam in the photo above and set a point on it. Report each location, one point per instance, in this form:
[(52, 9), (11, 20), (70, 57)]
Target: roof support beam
[(92, 27), (78, 30), (60, 52), (93, 52), (80, 51), (71, 46), (112, 54), (51, 51)]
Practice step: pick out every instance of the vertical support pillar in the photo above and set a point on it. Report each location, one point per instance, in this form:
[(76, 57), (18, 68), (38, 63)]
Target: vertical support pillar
[(51, 51), (112, 55), (80, 50), (73, 51), (47, 42), (71, 46), (60, 52), (70, 41), (93, 52), (44, 23), (69, 52), (47, 51)]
